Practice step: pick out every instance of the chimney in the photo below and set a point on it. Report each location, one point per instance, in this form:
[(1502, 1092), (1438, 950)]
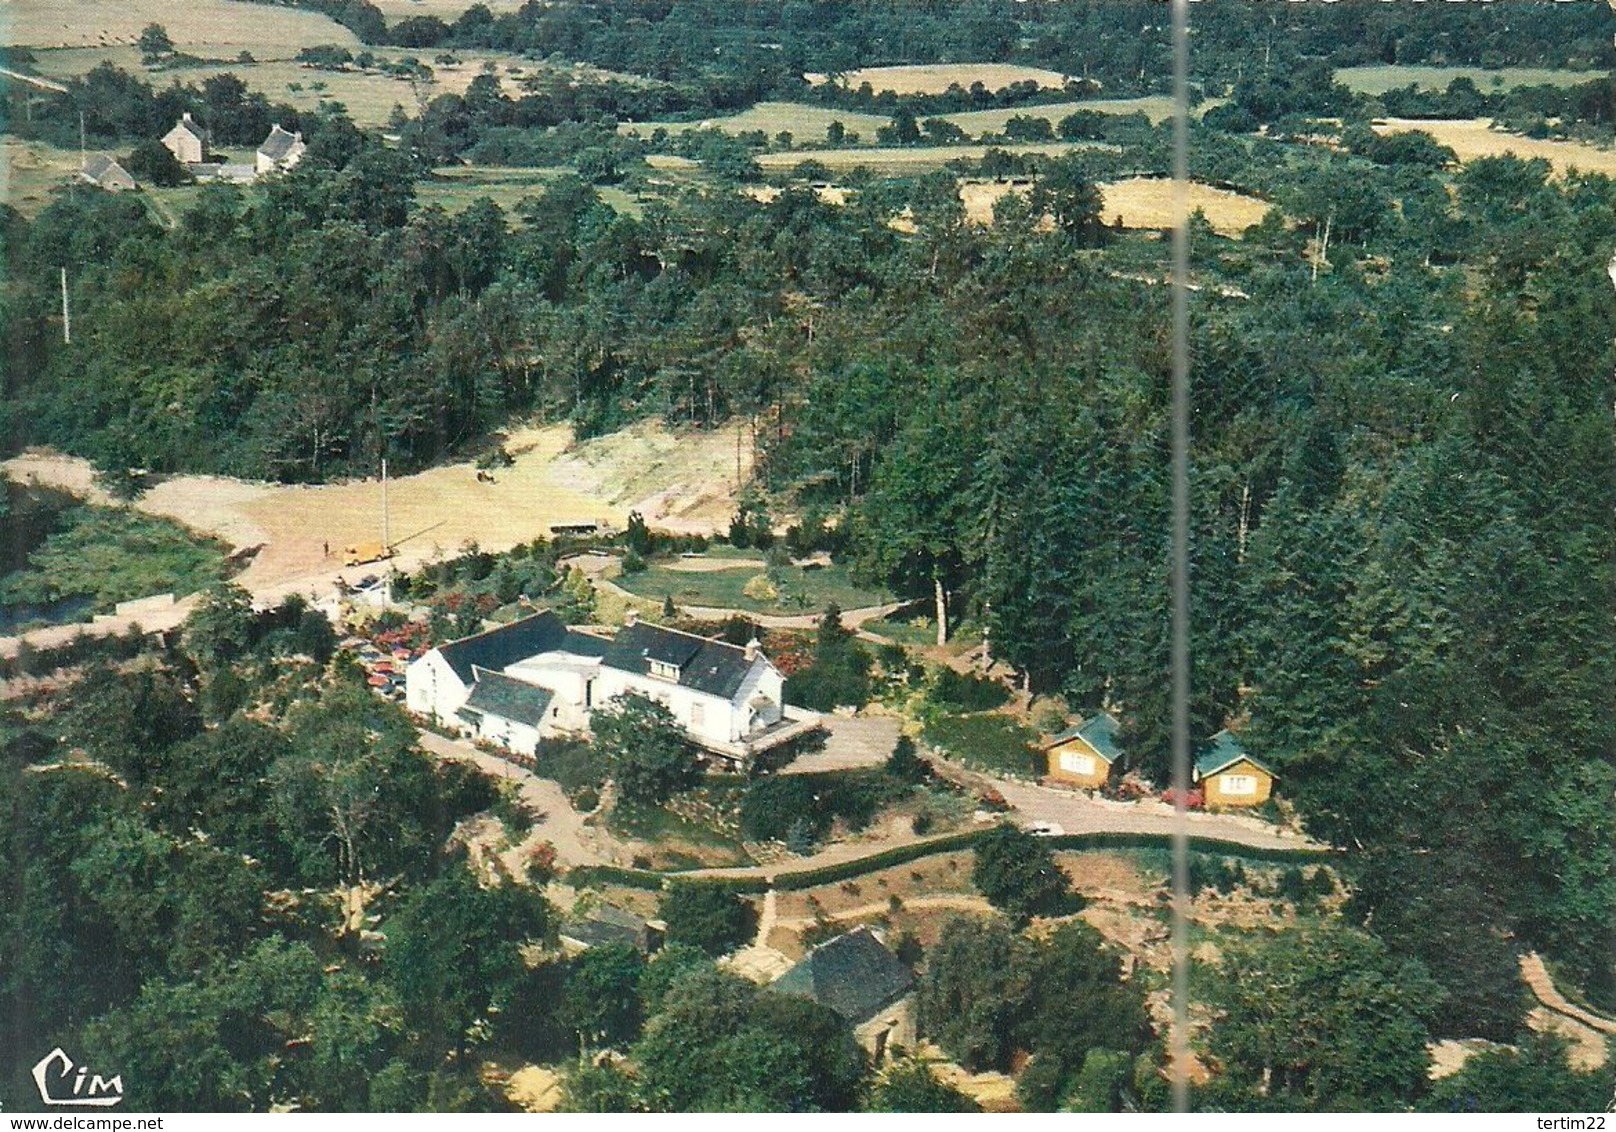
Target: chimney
[(631, 616), (754, 649)]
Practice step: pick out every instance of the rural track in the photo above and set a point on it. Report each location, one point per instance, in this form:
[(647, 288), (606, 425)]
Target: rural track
[(1537, 978)]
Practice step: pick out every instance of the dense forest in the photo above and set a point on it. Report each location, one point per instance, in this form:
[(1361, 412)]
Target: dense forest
[(1403, 559)]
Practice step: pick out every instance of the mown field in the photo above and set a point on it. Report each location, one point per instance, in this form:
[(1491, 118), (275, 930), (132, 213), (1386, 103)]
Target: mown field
[(209, 28), (1158, 108), (1380, 79), (30, 170), (369, 96), (1471, 138), (935, 78), (803, 122)]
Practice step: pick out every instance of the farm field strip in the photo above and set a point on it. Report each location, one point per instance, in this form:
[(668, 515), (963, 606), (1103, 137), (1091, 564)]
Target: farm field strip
[(1470, 138), (1382, 78), (804, 122), (907, 159), (936, 78)]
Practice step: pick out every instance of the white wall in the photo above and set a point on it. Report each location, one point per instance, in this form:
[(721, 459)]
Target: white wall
[(432, 688)]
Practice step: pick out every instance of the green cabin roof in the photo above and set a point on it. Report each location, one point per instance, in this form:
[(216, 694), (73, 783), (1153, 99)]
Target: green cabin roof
[(1221, 751), (1099, 732)]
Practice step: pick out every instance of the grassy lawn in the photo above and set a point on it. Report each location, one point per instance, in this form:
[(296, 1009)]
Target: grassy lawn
[(1380, 79), (987, 742), (677, 842), (456, 188), (108, 555), (917, 631), (805, 591)]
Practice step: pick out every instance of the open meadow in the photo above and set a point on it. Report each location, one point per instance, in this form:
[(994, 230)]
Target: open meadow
[(208, 28), (1382, 78), (803, 122), (1158, 108), (904, 161), (935, 78), (29, 170), (1470, 138)]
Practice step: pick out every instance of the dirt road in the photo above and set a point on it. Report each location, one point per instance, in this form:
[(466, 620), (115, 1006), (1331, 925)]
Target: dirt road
[(555, 820), (294, 535)]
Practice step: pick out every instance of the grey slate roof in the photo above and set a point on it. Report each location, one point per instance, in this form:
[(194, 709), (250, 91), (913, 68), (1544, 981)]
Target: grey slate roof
[(853, 974), (1224, 750), (608, 924), (715, 667), (508, 698), (498, 648), (98, 166), (279, 143)]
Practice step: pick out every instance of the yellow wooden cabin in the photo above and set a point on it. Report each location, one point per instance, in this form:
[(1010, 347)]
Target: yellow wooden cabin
[(1083, 756), (1229, 776)]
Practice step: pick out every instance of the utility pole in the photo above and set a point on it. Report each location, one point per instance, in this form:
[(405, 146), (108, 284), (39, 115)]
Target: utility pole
[(386, 543), (67, 317)]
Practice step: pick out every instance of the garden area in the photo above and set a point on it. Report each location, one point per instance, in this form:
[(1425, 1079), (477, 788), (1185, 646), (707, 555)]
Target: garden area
[(756, 587)]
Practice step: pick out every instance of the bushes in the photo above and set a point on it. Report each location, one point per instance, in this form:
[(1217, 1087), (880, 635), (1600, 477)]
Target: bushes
[(985, 742), (573, 764), (967, 692), (707, 916), (774, 804), (1017, 873)]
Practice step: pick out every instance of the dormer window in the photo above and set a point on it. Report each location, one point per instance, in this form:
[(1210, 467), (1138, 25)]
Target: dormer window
[(662, 670)]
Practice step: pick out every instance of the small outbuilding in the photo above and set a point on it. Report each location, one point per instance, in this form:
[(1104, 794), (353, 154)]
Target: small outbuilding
[(281, 151), (105, 172), (858, 978), (1084, 755), (1228, 775)]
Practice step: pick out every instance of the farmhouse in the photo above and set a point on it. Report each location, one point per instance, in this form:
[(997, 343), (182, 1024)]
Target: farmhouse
[(1084, 755), (1229, 776), (187, 141), (107, 173), (536, 677), (280, 151), (857, 977)]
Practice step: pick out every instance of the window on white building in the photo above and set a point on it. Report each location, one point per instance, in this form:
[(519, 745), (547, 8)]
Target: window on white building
[(698, 715)]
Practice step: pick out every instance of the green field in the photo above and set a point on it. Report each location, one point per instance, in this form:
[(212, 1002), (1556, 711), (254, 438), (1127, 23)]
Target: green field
[(30, 170), (903, 161), (804, 591), (454, 188), (1380, 79)]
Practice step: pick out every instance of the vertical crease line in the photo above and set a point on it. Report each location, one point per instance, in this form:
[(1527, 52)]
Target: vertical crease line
[(1180, 659)]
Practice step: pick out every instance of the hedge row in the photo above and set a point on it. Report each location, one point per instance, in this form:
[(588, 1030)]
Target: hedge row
[(951, 843)]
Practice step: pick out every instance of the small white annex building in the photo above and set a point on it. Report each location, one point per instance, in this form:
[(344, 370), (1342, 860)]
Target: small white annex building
[(536, 677)]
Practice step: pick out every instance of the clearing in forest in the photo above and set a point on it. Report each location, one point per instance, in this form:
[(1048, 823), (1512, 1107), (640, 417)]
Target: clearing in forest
[(936, 78), (29, 170), (1470, 138), (682, 481)]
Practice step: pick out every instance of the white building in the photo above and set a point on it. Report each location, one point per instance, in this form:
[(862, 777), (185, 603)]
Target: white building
[(187, 141), (536, 677), (280, 151)]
